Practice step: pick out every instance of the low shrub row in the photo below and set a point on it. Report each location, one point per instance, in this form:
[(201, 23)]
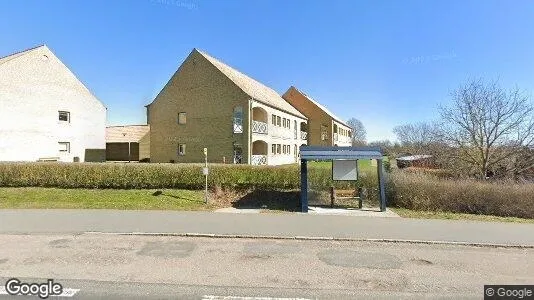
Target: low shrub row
[(182, 176), (408, 189), (425, 192)]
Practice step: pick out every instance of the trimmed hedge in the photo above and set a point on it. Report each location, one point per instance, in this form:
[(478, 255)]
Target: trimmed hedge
[(413, 190), (150, 176)]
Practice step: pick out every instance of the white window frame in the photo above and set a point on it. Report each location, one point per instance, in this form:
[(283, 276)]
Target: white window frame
[(180, 120), (67, 147), (238, 119), (64, 112)]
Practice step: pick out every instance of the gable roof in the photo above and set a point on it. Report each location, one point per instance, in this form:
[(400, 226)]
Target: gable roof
[(50, 54), (18, 54), (253, 88), (320, 106), (126, 133)]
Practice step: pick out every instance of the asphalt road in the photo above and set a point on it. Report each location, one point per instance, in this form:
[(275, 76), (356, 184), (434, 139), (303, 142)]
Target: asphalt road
[(165, 267), (277, 225)]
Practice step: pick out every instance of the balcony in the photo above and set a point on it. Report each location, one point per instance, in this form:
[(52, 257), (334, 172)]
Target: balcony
[(259, 127), (258, 160), (341, 140), (259, 153), (303, 135)]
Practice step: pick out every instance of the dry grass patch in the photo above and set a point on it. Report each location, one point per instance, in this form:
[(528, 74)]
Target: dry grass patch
[(428, 193)]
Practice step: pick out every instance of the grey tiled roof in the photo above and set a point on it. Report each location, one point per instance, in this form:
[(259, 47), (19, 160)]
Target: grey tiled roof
[(323, 108), (253, 88)]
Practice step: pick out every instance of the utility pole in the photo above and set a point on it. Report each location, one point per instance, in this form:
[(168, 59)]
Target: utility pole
[(205, 172)]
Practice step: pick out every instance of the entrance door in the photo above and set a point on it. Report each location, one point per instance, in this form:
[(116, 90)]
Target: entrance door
[(238, 155)]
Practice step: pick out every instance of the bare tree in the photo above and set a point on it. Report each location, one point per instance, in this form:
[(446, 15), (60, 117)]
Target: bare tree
[(358, 132), (417, 138), (489, 127), (385, 145)]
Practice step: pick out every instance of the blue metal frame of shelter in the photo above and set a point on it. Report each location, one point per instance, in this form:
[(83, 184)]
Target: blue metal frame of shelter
[(342, 153)]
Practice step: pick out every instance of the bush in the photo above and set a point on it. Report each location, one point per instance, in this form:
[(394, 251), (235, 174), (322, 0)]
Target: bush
[(412, 189), (437, 173), (421, 191), (150, 176)]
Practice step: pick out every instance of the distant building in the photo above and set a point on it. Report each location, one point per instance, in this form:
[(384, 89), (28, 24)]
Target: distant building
[(46, 113), (207, 104), (128, 143), (324, 128), (421, 161)]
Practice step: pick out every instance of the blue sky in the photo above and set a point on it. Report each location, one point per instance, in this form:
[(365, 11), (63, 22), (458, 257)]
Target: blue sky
[(383, 62)]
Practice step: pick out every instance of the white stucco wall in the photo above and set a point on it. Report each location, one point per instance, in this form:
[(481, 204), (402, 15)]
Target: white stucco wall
[(33, 88), (280, 135), (342, 141)]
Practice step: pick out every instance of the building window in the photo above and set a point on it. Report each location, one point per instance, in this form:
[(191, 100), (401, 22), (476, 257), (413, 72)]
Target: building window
[(181, 149), (278, 149), (238, 119), (182, 118), (324, 133), (64, 147), (278, 121), (273, 148), (273, 119), (64, 116)]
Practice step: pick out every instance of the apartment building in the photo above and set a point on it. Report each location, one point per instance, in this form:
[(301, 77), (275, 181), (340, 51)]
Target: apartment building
[(208, 104), (324, 128)]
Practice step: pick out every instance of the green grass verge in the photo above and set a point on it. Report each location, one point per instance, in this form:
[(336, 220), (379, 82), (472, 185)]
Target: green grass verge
[(169, 199), (408, 213)]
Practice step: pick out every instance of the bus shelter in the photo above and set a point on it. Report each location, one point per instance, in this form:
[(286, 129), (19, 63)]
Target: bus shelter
[(318, 153)]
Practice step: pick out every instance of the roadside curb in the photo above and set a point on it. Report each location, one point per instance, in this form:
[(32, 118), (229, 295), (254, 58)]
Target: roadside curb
[(311, 238)]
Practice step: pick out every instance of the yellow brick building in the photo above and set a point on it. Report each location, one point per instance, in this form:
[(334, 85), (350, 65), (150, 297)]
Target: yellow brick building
[(207, 104), (324, 128)]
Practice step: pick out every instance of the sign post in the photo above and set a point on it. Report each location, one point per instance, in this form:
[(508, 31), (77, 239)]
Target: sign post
[(205, 172)]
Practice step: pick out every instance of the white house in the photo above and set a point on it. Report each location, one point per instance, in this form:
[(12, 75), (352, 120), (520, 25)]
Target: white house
[(46, 113)]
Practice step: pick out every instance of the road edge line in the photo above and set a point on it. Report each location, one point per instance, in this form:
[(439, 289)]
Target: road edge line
[(317, 238)]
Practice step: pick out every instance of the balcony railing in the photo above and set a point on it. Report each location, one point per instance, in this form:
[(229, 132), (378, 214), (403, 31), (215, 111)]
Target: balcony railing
[(259, 127), (303, 135), (259, 159)]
